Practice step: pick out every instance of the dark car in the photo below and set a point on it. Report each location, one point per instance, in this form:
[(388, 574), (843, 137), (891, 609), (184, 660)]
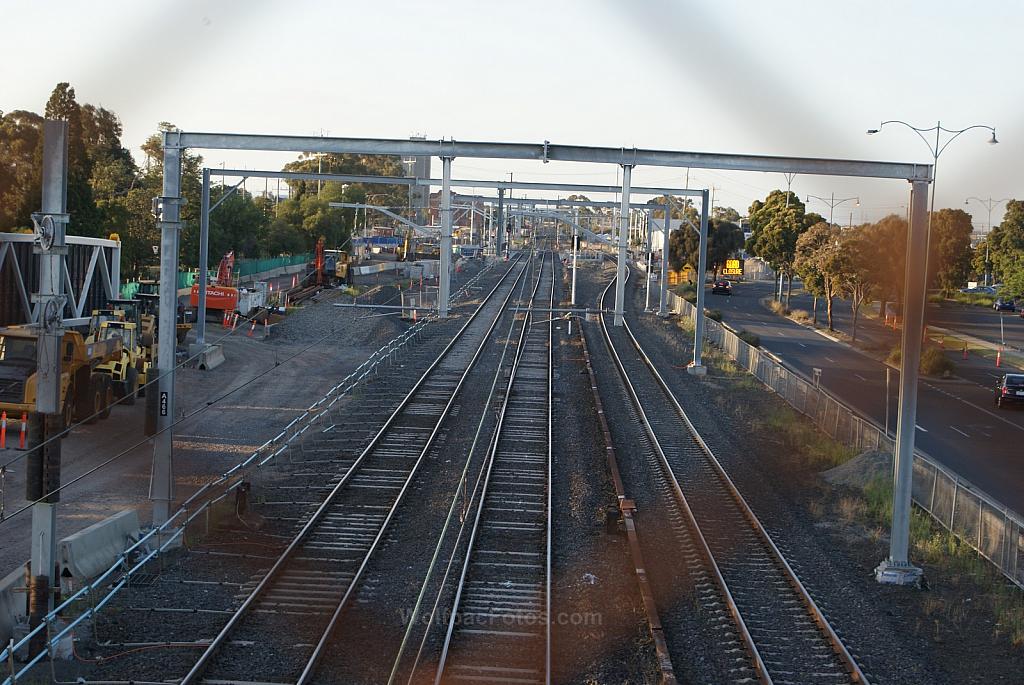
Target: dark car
[(722, 287), (1010, 389), (1004, 304)]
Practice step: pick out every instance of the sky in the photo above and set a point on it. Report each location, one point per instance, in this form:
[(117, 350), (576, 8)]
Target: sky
[(788, 77)]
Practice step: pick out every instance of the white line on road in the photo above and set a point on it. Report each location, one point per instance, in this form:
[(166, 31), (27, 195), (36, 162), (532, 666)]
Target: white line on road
[(960, 431), (923, 430), (830, 360), (781, 333), (801, 345), (861, 377)]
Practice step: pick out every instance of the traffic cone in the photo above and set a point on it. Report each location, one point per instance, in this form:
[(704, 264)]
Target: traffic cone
[(414, 316), (24, 426), (295, 280), (3, 430), (999, 357), (252, 330), (965, 350), (234, 322)]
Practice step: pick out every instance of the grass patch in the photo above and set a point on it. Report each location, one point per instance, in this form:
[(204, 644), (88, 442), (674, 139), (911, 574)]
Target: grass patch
[(687, 291), (800, 315), (798, 433), (752, 339), (713, 314), (778, 307), (934, 362), (932, 544), (976, 299)]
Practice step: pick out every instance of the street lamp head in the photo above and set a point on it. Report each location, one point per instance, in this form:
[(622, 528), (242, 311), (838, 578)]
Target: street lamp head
[(872, 131), (992, 140)]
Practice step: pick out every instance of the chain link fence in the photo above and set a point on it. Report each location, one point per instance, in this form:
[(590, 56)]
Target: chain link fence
[(995, 531)]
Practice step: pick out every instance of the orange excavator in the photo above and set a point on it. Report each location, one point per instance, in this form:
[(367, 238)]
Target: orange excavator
[(221, 296)]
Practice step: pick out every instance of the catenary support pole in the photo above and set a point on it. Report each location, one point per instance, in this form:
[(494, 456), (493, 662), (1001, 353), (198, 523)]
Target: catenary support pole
[(499, 229), (647, 293), (663, 285), (43, 468), (204, 257), (620, 273), (445, 276), (161, 486), (695, 366), (897, 569)]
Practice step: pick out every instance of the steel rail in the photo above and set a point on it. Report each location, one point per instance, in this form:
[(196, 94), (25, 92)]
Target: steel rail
[(484, 488), (811, 607), (748, 641), (199, 667)]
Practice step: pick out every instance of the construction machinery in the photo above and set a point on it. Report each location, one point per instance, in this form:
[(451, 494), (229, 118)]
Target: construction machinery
[(222, 296), (129, 373), (86, 392)]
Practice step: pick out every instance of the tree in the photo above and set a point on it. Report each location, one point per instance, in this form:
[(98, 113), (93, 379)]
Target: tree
[(85, 217), (725, 214), (858, 274), (949, 247), (890, 234), (1007, 249), (819, 262), (775, 226), (21, 154)]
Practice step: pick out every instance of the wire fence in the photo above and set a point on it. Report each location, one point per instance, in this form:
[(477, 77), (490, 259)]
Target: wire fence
[(996, 532)]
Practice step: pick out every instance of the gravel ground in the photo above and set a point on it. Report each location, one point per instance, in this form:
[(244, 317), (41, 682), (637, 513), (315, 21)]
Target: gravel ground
[(888, 629), (689, 607), (601, 635), (245, 545)]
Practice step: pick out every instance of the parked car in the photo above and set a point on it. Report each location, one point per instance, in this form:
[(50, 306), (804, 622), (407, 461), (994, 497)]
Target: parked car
[(1004, 304), (1010, 389), (721, 287)]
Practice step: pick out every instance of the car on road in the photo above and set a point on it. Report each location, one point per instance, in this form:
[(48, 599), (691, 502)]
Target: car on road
[(1004, 304), (721, 287), (1010, 389)]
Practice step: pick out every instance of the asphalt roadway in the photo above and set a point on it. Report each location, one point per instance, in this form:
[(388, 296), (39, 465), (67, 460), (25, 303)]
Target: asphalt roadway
[(957, 422)]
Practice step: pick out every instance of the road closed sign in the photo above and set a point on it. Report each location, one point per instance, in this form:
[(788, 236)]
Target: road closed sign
[(733, 267)]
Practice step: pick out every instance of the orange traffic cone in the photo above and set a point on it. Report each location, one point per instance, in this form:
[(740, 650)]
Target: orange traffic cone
[(252, 329), (965, 350), (999, 357), (24, 425)]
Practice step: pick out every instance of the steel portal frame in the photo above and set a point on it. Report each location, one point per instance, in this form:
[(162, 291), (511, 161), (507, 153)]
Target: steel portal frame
[(896, 568)]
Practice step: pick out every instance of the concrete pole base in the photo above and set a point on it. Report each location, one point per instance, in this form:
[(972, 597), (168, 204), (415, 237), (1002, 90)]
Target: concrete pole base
[(697, 370), (891, 573)]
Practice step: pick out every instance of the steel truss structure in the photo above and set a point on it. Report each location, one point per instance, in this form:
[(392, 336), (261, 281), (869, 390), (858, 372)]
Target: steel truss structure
[(896, 568)]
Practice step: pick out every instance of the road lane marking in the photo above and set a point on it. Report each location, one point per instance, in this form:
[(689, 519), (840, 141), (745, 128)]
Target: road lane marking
[(861, 377), (801, 345), (960, 431), (923, 430), (781, 333), (830, 360)]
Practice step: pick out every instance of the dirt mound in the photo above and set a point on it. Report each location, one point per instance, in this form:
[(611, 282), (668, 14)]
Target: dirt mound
[(862, 469)]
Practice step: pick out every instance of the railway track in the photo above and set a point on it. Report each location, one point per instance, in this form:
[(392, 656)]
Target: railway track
[(500, 631), (281, 629), (786, 637)]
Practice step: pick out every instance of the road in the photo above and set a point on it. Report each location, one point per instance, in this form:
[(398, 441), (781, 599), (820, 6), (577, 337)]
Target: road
[(957, 423)]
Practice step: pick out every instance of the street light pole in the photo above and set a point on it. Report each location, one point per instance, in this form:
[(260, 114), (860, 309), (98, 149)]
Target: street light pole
[(832, 203), (936, 150), (989, 204)]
